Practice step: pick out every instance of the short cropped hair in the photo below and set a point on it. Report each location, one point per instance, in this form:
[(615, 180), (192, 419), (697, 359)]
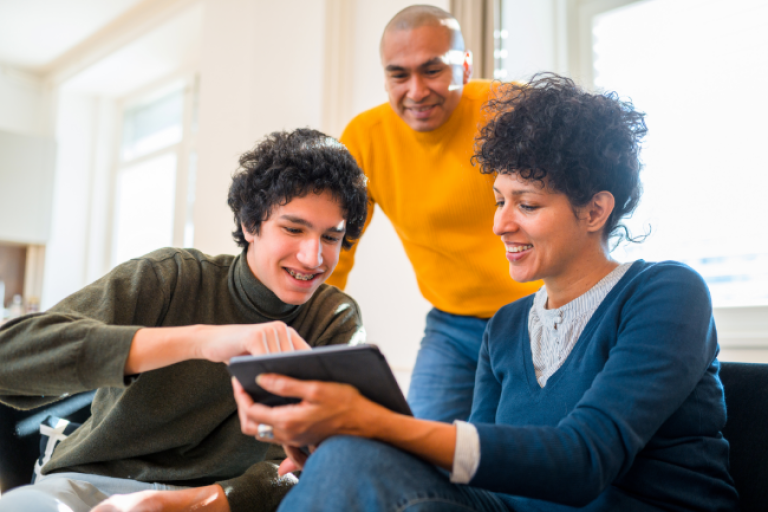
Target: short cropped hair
[(286, 165), (415, 16), (572, 141)]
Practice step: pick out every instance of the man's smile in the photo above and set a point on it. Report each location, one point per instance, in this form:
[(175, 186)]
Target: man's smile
[(302, 276)]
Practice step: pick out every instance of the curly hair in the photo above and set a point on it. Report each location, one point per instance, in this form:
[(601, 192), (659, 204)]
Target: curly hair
[(574, 142), (286, 165)]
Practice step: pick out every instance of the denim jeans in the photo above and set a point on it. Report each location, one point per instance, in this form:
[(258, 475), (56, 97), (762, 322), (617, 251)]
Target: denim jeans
[(351, 473), (443, 379)]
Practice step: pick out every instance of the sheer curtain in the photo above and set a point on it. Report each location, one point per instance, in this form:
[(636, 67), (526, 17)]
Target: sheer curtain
[(480, 24)]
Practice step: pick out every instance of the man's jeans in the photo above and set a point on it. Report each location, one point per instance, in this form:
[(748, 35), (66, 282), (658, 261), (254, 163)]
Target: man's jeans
[(443, 379), (351, 473)]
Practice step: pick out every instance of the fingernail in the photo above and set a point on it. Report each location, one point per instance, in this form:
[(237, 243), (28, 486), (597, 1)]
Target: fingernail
[(258, 379)]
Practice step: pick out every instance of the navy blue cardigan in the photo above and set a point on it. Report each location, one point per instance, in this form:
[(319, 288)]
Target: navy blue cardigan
[(632, 421)]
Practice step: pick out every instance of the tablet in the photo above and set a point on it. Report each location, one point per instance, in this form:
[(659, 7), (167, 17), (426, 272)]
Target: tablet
[(361, 366)]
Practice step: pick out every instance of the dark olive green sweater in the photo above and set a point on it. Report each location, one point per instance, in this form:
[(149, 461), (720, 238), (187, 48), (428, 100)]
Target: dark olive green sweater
[(176, 424)]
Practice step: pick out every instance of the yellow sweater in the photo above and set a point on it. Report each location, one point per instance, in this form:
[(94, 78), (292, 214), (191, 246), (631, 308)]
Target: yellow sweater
[(440, 205)]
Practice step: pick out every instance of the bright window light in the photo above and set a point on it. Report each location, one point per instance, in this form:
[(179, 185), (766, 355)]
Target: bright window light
[(145, 206), (699, 69), (153, 126)]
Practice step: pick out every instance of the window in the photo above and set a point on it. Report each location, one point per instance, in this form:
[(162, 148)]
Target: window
[(144, 207), (699, 69), (154, 185)]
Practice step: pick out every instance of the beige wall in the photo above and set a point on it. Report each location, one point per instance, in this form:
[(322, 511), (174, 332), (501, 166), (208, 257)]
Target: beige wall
[(261, 71)]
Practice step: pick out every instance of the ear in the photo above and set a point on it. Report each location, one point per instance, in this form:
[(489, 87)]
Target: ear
[(247, 234), (467, 66), (598, 210)]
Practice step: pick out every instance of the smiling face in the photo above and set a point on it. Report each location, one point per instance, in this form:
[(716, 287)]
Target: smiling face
[(543, 237), (298, 247), (424, 75)]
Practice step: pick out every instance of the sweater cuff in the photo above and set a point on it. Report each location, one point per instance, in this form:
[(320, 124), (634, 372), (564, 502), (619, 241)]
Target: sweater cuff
[(101, 361), (466, 456), (260, 489)]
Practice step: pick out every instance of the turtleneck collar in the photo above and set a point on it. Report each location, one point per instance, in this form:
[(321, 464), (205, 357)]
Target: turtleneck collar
[(255, 296)]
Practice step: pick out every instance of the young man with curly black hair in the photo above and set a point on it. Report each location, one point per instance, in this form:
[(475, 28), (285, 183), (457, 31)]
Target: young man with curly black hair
[(151, 337)]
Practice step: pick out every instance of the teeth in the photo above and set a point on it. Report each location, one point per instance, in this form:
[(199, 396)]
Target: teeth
[(519, 248), (301, 277)]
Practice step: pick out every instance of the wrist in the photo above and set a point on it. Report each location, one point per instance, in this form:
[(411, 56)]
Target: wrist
[(194, 339), (375, 422)]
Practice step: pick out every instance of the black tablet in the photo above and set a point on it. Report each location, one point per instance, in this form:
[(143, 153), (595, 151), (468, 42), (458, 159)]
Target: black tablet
[(362, 366)]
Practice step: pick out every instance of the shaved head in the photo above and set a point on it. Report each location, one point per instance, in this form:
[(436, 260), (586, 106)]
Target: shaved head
[(416, 16)]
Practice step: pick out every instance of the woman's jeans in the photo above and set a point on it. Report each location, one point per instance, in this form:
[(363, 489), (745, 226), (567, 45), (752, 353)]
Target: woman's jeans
[(351, 473), (443, 378)]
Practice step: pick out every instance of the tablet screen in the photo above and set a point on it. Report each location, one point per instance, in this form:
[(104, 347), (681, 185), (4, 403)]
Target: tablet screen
[(361, 366)]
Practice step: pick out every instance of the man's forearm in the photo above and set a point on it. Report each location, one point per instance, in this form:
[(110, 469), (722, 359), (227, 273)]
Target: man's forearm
[(157, 347)]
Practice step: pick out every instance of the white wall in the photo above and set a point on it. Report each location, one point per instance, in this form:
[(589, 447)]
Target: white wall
[(26, 174), (25, 105), (66, 251)]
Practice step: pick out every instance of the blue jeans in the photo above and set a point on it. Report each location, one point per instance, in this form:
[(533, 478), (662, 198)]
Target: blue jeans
[(443, 379), (351, 473)]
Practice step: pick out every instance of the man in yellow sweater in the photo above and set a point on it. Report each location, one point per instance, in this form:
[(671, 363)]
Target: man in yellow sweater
[(416, 152)]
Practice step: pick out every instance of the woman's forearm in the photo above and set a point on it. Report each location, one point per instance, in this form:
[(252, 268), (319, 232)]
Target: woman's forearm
[(432, 441)]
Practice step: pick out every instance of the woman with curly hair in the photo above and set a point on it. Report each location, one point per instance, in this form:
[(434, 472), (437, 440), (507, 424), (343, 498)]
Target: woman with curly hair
[(600, 392)]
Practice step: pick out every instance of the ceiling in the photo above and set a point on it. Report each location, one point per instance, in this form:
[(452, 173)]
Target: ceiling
[(166, 49), (41, 36), (34, 33)]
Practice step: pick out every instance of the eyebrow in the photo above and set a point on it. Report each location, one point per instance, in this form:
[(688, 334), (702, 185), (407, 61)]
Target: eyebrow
[(520, 192), (306, 223), (430, 62)]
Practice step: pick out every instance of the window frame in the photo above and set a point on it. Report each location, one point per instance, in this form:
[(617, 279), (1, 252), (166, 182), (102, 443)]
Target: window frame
[(185, 151)]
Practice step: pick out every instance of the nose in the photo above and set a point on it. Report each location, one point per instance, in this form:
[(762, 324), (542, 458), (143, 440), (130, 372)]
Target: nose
[(417, 88), (504, 221), (310, 253)]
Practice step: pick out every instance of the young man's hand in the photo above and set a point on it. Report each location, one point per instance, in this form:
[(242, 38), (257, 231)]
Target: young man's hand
[(295, 461), (199, 499), (221, 343), (156, 347)]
